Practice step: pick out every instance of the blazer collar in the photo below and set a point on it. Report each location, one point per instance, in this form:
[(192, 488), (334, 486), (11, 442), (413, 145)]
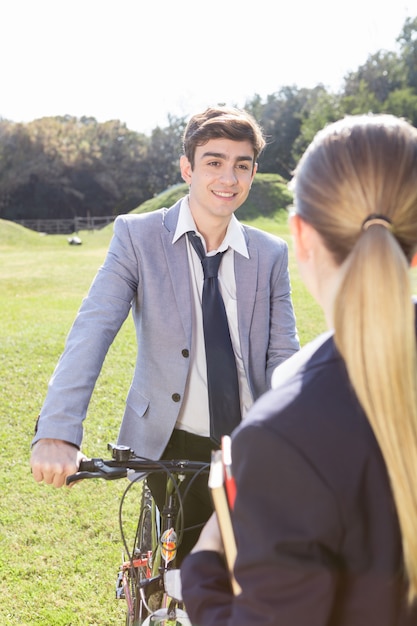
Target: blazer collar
[(170, 216), (236, 237), (246, 271)]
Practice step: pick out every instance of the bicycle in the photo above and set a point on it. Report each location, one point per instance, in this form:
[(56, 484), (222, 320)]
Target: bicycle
[(147, 579)]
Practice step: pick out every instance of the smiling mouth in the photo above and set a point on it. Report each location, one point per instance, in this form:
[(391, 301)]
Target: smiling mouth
[(224, 194)]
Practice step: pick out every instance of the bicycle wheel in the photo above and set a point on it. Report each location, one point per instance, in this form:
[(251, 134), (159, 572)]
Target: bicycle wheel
[(146, 590), (145, 529)]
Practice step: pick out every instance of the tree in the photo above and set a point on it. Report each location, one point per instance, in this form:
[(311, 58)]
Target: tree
[(320, 109), (162, 159), (362, 101), (281, 119), (111, 167), (381, 74), (402, 103), (408, 43), (60, 167), (254, 106), (23, 159)]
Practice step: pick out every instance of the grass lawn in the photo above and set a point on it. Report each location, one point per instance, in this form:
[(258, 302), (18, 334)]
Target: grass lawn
[(60, 549)]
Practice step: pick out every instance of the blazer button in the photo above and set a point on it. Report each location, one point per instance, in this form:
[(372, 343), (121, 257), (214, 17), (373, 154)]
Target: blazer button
[(185, 353), (176, 397)]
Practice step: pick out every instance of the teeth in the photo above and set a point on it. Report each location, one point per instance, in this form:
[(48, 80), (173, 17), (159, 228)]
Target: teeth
[(224, 194)]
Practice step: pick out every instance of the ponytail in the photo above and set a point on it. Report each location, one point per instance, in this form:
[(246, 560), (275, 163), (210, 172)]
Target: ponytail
[(375, 334), (356, 186)]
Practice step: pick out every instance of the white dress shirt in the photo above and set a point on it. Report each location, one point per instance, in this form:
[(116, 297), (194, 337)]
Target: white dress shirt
[(194, 416)]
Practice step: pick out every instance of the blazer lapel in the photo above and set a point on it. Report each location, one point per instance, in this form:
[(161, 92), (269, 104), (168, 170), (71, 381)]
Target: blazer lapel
[(177, 262), (246, 273)]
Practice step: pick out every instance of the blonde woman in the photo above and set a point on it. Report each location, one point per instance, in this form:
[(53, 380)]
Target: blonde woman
[(326, 463)]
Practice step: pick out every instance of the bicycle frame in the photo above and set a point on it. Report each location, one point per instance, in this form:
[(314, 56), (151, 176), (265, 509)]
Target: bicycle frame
[(148, 574), (141, 578)]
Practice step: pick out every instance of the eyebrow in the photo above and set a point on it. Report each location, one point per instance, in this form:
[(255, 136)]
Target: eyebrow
[(221, 155)]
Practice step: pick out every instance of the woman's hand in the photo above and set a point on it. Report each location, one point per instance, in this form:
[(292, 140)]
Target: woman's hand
[(210, 538)]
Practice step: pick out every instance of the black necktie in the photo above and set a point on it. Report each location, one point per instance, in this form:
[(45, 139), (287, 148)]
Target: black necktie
[(222, 380)]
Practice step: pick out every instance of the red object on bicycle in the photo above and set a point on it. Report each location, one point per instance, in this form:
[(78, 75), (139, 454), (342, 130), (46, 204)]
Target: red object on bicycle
[(169, 545)]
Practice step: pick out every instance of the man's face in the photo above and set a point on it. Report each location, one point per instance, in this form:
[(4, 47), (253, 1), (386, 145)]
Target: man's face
[(221, 178)]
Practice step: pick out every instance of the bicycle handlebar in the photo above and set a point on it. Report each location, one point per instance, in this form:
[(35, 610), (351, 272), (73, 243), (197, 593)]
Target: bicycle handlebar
[(124, 460)]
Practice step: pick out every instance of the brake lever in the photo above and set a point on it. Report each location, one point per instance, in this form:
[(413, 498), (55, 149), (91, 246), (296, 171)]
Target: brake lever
[(96, 469)]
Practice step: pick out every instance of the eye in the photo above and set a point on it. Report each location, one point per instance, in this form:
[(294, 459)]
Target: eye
[(243, 166), (213, 163)]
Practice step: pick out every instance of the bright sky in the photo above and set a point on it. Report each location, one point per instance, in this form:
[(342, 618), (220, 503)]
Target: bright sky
[(140, 60)]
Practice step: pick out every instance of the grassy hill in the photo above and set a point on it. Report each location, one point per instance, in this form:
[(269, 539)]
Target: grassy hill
[(14, 235)]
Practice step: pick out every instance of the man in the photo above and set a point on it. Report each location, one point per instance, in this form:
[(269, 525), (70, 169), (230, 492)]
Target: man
[(153, 268)]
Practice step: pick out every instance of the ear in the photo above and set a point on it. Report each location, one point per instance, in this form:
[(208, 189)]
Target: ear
[(414, 261), (186, 169), (301, 232)]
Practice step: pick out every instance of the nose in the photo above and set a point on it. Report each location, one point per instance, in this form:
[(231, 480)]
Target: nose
[(229, 176)]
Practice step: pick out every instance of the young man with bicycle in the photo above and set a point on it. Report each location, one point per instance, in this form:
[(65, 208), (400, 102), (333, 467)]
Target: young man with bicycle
[(153, 269)]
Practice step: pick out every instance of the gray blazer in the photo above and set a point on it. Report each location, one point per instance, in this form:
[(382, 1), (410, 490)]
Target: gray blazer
[(145, 272)]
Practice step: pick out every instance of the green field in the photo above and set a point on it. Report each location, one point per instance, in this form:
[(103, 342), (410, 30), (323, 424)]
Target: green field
[(60, 548)]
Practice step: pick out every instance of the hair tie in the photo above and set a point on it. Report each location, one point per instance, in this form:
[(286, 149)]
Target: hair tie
[(376, 218)]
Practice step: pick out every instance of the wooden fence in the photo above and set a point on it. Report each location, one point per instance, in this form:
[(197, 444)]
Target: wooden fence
[(67, 226)]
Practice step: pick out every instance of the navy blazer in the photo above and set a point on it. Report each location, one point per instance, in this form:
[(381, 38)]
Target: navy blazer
[(316, 527), (144, 271)]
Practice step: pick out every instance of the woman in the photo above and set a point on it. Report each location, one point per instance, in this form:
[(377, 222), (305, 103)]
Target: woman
[(326, 463)]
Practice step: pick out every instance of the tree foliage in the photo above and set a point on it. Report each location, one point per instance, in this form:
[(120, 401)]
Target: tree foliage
[(61, 167), (65, 167), (408, 42)]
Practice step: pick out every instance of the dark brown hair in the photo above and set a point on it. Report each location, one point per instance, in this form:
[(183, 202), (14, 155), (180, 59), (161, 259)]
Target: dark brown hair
[(222, 122)]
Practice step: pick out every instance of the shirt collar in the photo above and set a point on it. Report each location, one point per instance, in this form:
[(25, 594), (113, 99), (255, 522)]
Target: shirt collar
[(234, 238)]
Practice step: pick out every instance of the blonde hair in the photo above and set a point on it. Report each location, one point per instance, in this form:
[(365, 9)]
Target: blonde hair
[(355, 169)]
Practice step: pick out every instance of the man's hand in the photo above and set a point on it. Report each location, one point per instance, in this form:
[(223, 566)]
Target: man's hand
[(52, 460)]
